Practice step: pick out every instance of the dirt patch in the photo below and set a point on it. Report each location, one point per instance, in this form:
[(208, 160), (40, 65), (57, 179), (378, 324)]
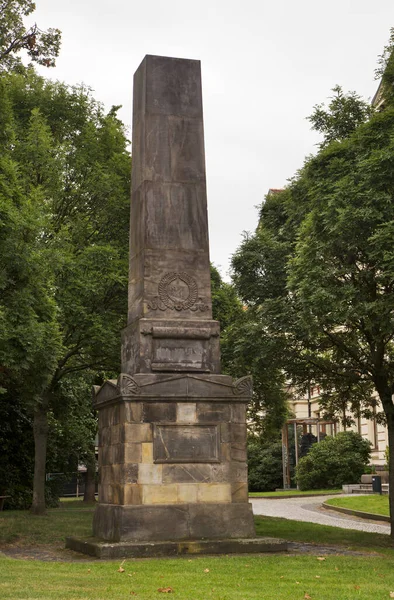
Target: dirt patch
[(57, 553)]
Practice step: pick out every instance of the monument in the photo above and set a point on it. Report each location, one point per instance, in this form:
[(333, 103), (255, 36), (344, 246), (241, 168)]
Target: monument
[(172, 430)]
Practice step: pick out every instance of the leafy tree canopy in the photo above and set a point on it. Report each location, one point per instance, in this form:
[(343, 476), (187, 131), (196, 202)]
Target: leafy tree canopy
[(64, 210), (343, 114), (319, 271), (41, 47)]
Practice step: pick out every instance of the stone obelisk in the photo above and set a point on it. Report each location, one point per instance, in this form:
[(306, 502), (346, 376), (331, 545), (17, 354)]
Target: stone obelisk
[(172, 431)]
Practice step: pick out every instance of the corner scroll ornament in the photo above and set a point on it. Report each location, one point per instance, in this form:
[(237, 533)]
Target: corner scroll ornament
[(177, 291), (243, 386), (127, 385)]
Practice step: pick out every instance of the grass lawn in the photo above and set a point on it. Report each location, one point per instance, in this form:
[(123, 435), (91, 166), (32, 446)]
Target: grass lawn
[(276, 577), (287, 493), (375, 504), (199, 578)]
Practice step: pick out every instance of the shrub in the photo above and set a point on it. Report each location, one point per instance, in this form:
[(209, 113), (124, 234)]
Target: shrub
[(264, 466), (333, 462)]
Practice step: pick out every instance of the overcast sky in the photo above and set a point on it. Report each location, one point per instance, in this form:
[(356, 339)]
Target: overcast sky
[(265, 64)]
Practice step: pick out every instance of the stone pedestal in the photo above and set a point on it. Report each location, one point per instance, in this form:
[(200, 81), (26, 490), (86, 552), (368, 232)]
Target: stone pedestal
[(172, 455)]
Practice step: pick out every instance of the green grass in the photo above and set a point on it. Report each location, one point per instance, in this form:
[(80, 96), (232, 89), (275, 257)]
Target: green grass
[(202, 578), (22, 528), (251, 577), (287, 493), (374, 504), (299, 531)]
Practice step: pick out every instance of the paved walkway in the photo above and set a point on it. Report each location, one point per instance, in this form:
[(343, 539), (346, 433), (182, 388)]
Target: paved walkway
[(311, 511)]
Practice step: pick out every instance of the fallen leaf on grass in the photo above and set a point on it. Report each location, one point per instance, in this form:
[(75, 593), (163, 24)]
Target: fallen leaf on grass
[(357, 587), (121, 569), (321, 558), (166, 590), (308, 597), (391, 594)]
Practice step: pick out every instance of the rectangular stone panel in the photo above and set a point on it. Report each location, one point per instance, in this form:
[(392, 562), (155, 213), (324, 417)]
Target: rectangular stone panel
[(185, 443), (177, 354)]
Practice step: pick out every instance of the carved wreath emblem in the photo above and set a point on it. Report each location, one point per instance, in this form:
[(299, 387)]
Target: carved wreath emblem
[(177, 291)]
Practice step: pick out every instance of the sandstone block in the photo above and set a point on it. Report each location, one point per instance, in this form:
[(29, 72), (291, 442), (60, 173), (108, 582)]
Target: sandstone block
[(214, 492), (187, 492), (132, 453), (132, 494), (150, 474), (147, 452), (186, 412), (159, 494), (239, 492), (138, 432)]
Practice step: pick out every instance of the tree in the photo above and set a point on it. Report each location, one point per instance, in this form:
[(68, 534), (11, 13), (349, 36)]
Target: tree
[(41, 47), (319, 272), (342, 116), (65, 207)]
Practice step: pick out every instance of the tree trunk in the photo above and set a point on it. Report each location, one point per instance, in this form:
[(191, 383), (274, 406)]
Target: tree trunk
[(90, 481), (40, 430), (390, 430)]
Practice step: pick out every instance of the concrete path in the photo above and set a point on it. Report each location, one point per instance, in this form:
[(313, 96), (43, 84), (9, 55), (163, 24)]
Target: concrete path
[(311, 511)]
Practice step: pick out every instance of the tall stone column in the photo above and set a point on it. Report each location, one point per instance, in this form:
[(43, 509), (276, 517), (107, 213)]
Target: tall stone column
[(172, 431)]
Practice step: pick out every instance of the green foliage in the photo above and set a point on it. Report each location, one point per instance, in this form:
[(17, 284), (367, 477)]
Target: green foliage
[(264, 465), (226, 306), (64, 210), (41, 47), (334, 461), (340, 119)]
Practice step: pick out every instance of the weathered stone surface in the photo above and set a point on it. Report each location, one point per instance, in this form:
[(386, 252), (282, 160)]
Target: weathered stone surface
[(137, 432), (221, 520), (214, 492), (150, 473), (196, 473), (239, 492), (238, 433), (213, 412), (238, 413), (173, 521), (185, 443), (160, 494), (147, 452), (108, 551), (159, 411), (186, 413), (130, 412)]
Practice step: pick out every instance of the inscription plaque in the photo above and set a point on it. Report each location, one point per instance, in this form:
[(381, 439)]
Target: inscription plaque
[(177, 354), (185, 443)]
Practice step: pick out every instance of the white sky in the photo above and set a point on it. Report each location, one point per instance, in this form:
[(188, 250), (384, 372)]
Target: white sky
[(265, 64)]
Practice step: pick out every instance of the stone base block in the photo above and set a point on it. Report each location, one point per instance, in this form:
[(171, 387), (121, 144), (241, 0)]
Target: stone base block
[(107, 550), (151, 523)]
